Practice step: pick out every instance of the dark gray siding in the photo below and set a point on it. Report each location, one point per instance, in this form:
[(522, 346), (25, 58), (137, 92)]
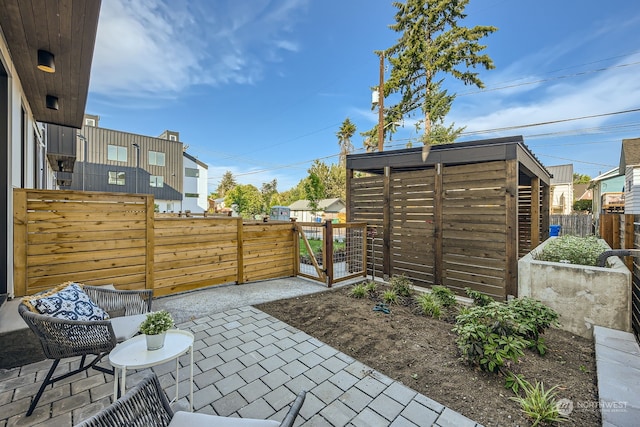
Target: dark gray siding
[(95, 176)]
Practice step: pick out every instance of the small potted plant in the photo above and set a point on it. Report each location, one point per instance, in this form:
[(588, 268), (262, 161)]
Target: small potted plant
[(155, 327)]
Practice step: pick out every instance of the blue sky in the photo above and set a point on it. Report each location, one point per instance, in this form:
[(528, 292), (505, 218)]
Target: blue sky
[(260, 87)]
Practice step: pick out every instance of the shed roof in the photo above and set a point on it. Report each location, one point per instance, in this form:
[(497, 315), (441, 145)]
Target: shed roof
[(468, 152), (629, 154), (561, 174)]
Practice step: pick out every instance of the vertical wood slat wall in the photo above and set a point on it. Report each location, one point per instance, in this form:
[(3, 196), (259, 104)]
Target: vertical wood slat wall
[(114, 238), (454, 225)]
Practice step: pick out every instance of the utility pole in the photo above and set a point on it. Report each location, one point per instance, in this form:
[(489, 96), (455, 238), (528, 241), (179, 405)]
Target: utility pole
[(381, 105)]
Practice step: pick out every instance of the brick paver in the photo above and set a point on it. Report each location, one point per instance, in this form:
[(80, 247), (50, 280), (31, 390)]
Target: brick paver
[(246, 364)]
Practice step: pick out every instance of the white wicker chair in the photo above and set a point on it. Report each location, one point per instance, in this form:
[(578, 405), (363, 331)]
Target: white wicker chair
[(61, 338), (146, 405)]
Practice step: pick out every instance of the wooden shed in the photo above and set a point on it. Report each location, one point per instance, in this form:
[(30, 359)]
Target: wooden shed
[(461, 218)]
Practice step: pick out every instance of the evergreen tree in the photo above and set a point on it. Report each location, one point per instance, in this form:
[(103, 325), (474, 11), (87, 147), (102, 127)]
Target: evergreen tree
[(432, 44), (227, 183)]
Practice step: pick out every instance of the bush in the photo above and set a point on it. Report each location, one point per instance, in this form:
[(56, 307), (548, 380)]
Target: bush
[(401, 285), (572, 250), (444, 295), (478, 297), (490, 335), (538, 403)]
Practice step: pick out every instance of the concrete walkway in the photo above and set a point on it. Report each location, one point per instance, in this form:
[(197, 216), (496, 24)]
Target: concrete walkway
[(618, 368), (247, 364)]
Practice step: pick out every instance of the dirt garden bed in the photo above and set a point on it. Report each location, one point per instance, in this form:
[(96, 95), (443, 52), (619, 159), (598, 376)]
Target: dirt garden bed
[(421, 353)]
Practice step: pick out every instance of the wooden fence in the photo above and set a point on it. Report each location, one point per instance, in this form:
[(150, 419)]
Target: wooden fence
[(101, 238), (574, 224), (622, 231)]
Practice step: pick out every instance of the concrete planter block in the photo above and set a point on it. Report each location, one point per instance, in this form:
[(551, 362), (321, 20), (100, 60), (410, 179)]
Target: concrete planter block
[(583, 296)]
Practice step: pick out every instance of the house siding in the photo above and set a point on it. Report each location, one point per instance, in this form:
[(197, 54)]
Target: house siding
[(632, 190), (95, 177)]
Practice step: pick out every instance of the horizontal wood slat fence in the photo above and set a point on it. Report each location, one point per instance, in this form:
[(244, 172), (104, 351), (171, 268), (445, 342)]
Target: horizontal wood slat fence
[(622, 231), (114, 238), (453, 226)]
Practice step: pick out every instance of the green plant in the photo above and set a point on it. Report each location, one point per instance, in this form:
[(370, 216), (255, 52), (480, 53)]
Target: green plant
[(478, 297), (533, 318), (572, 250), (358, 291), (371, 287), (156, 323), (444, 295), (430, 305), (491, 335), (512, 381), (390, 296), (538, 403), (401, 285)]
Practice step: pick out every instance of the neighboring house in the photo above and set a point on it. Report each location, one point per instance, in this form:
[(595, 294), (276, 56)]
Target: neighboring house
[(328, 210), (608, 192), (561, 189), (39, 86), (630, 168), (582, 192), (123, 162), (195, 197)]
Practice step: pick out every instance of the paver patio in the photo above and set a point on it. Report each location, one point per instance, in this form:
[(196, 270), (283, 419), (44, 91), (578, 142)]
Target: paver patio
[(246, 364)]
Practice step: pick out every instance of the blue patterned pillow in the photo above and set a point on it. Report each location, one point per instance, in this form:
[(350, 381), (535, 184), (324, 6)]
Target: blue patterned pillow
[(66, 302)]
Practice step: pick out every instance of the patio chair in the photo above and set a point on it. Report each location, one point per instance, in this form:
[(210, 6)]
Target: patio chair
[(146, 405), (62, 338)]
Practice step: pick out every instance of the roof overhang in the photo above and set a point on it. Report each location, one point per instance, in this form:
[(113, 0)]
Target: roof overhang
[(67, 29)]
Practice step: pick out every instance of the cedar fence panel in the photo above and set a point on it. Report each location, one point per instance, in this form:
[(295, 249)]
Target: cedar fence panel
[(114, 238), (574, 224)]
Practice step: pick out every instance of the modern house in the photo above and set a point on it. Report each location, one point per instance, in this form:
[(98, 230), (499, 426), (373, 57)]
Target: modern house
[(328, 210), (194, 194), (630, 169), (117, 161), (45, 63), (561, 189)]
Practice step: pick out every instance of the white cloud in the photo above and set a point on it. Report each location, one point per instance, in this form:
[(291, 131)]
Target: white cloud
[(158, 48), (616, 89)]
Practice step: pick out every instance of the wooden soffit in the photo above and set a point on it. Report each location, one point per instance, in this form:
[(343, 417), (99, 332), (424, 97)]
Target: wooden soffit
[(67, 29)]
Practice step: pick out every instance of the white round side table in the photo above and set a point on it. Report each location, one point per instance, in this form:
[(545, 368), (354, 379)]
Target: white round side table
[(133, 354)]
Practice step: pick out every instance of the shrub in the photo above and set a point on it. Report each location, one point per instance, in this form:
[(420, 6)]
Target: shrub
[(429, 305), (444, 295), (390, 296), (401, 285), (490, 335), (358, 291), (572, 250), (478, 297)]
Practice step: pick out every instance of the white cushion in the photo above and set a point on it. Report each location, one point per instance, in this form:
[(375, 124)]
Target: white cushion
[(126, 327), (191, 419)]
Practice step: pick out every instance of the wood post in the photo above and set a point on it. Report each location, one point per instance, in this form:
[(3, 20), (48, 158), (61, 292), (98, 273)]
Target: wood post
[(438, 240), (240, 277), (327, 260), (386, 221)]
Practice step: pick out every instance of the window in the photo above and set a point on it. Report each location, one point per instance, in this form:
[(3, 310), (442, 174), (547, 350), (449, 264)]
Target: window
[(173, 138), (116, 153), (90, 122), (156, 158), (116, 178), (156, 181), (196, 195), (191, 173)]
